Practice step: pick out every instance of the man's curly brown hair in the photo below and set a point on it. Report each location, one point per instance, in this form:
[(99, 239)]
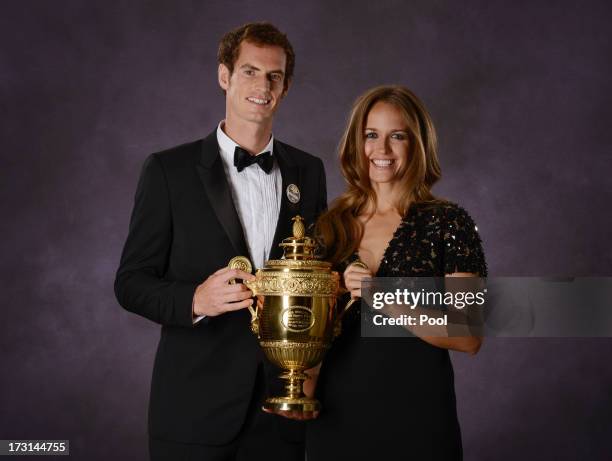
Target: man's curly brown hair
[(257, 33)]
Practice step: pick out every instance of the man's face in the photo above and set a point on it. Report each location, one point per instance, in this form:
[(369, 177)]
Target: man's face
[(255, 88)]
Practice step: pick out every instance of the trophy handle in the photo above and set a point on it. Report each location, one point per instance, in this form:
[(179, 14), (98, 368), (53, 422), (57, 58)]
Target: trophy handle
[(338, 325), (243, 263), (254, 312)]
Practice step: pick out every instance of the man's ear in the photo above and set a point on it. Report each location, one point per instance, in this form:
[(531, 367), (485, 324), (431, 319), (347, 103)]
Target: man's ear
[(286, 90), (223, 75)]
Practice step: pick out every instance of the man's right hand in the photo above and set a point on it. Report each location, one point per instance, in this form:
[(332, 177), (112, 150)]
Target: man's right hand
[(216, 295)]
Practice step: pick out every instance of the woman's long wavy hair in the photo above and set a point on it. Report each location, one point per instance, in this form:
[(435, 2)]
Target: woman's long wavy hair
[(339, 229)]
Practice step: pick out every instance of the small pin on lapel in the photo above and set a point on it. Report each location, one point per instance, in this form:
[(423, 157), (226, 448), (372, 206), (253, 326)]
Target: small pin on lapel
[(293, 193)]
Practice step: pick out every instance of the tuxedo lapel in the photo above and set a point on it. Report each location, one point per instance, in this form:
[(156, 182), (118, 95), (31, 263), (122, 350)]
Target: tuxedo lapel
[(291, 175), (211, 173)]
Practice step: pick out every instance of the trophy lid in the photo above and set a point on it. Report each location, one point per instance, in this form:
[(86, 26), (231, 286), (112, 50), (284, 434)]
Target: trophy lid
[(299, 246), (298, 252)]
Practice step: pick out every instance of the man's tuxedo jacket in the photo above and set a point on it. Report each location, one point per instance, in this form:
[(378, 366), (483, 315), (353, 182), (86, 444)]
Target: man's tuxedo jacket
[(184, 227)]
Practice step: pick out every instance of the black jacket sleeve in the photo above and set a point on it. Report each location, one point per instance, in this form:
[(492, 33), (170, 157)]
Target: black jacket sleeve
[(140, 285)]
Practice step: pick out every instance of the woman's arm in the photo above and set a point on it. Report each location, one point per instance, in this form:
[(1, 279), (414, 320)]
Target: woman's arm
[(437, 335), (468, 344)]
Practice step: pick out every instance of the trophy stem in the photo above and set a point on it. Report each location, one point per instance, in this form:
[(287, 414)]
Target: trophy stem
[(295, 399), (294, 384)]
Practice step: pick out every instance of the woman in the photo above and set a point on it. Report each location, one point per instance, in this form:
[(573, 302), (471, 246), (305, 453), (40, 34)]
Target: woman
[(391, 398)]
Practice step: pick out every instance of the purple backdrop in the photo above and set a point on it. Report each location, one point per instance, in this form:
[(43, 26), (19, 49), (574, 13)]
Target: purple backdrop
[(520, 93)]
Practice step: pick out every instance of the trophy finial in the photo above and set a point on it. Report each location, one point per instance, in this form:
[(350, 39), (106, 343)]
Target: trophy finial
[(298, 246), (299, 231)]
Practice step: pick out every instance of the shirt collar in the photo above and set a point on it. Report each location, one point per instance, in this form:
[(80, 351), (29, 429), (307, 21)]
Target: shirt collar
[(228, 145)]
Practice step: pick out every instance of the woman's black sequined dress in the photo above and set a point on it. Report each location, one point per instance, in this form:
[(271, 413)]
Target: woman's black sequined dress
[(394, 398)]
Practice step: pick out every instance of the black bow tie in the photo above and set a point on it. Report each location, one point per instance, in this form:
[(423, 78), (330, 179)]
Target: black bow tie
[(243, 159)]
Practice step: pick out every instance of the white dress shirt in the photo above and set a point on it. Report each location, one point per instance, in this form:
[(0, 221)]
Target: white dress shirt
[(257, 198)]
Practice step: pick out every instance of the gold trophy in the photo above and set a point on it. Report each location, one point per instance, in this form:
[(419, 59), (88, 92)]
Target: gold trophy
[(295, 317)]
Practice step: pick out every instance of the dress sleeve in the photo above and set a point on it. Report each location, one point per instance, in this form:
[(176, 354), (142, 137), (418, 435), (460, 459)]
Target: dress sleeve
[(462, 245)]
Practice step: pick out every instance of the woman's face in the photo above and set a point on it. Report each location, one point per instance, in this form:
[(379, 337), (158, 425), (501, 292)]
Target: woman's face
[(386, 142)]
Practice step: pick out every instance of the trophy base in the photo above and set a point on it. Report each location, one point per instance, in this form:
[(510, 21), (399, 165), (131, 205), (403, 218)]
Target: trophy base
[(300, 405)]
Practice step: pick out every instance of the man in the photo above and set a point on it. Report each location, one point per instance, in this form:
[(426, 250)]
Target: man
[(197, 206)]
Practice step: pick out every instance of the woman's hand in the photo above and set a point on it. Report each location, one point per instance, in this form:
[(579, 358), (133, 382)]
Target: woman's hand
[(353, 275), (297, 415)]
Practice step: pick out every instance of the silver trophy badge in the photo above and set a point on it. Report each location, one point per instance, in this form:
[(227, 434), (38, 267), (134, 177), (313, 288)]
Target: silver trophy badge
[(293, 193)]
